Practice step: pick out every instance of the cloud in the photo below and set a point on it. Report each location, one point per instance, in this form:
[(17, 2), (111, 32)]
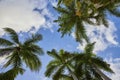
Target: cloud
[(20, 14), (115, 66), (103, 36)]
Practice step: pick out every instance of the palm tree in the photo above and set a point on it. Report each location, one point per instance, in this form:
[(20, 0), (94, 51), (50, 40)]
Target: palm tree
[(20, 52), (70, 21), (89, 66), (74, 13), (77, 66), (61, 64)]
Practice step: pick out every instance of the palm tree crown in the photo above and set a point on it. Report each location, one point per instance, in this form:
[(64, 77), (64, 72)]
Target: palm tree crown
[(89, 66), (19, 53), (75, 13), (77, 66), (59, 65)]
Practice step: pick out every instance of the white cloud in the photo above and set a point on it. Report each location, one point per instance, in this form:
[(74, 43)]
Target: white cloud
[(104, 37), (19, 14), (115, 66)]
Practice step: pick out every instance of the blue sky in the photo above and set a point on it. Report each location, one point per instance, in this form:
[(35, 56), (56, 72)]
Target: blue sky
[(31, 16)]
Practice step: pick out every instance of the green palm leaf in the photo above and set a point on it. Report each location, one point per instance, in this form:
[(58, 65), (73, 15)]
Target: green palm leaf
[(6, 51), (54, 54), (57, 74), (13, 34), (102, 64), (4, 42), (11, 74), (35, 38)]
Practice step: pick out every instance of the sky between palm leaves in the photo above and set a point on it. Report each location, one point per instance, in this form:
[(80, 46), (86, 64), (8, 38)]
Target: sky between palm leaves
[(30, 16)]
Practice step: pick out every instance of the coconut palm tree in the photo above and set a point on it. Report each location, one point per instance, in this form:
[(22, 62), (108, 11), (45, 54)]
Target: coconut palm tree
[(60, 68), (19, 53), (75, 13), (72, 21), (77, 66), (89, 66)]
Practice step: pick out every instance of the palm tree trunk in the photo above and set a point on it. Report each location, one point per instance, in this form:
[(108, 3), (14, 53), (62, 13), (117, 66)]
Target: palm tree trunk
[(101, 73)]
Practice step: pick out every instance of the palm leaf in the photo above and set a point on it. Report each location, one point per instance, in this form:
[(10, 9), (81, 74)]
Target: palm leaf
[(65, 77), (102, 64), (6, 51), (11, 74), (4, 42), (13, 34), (14, 59), (50, 70), (35, 38), (57, 74), (115, 12), (31, 60), (54, 54), (34, 48), (89, 47)]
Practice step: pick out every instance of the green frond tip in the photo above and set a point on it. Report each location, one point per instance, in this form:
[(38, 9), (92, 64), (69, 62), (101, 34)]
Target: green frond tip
[(13, 34), (11, 74), (5, 42), (34, 39), (89, 47)]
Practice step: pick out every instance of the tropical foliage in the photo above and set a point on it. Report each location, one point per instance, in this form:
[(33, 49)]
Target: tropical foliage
[(75, 13), (77, 66), (59, 65), (20, 52), (89, 66)]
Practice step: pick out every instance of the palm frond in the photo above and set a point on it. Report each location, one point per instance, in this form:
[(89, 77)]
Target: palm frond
[(50, 70), (89, 47), (57, 74), (65, 77), (80, 32), (115, 12), (59, 2), (5, 42), (54, 62), (54, 54), (102, 64), (35, 38), (6, 51), (34, 48), (11, 74), (96, 75), (31, 60), (13, 34), (14, 60)]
